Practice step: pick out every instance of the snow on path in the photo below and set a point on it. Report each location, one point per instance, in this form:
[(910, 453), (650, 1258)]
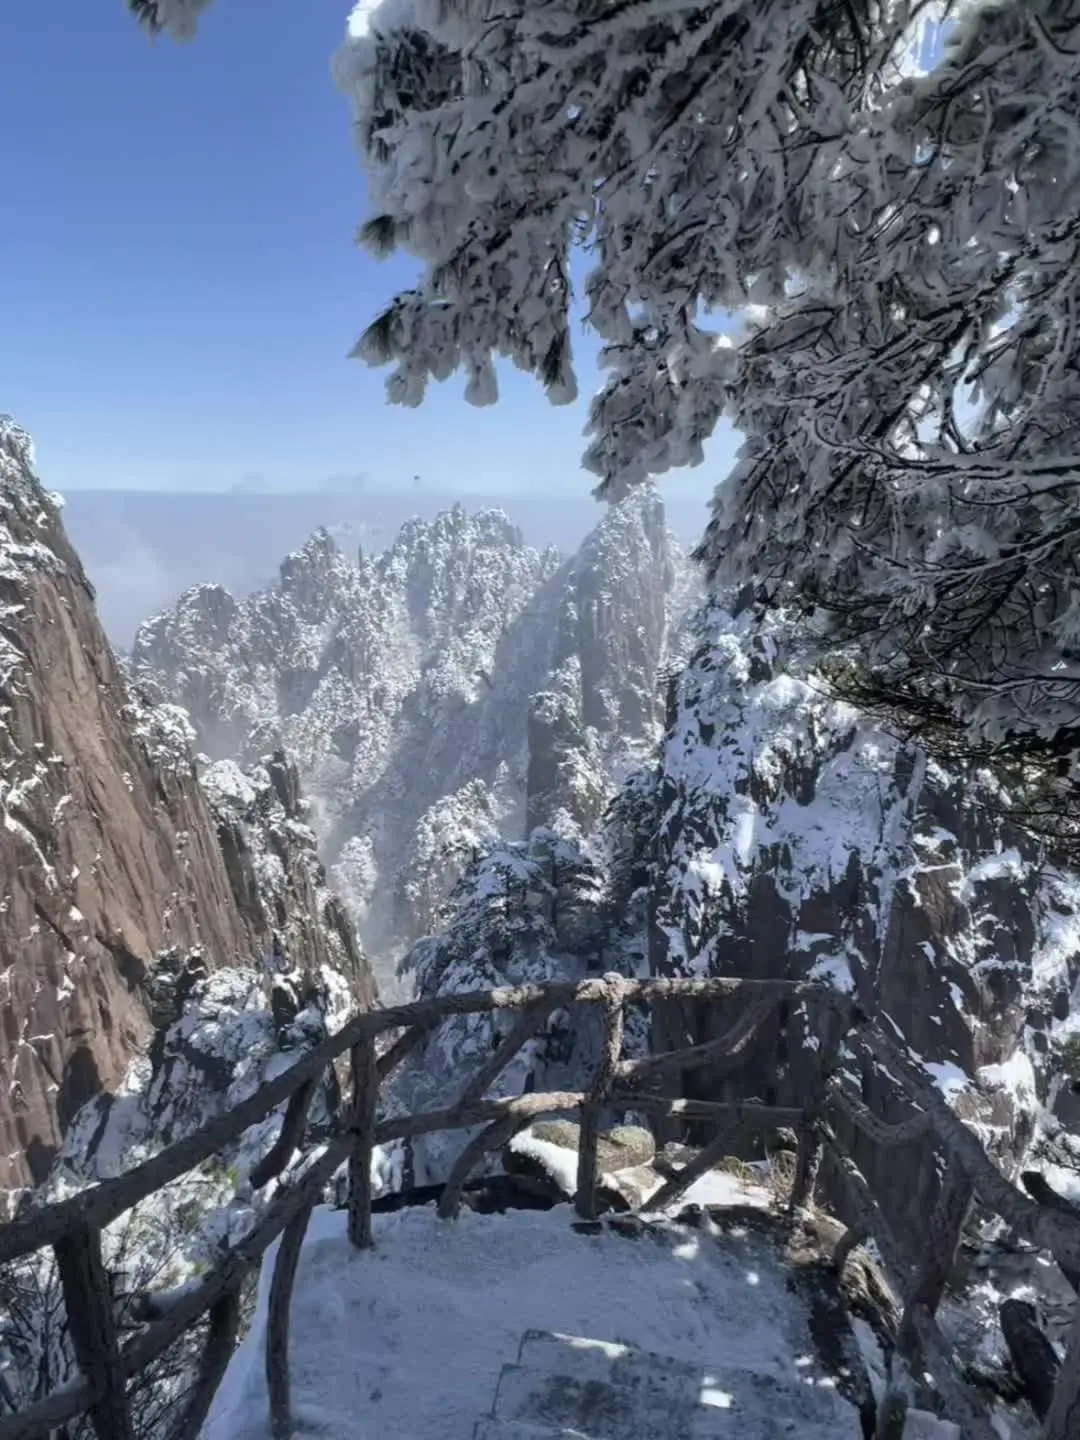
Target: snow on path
[(407, 1341)]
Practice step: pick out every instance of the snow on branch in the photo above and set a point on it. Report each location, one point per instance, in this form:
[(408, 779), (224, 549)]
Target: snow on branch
[(900, 245), (176, 18)]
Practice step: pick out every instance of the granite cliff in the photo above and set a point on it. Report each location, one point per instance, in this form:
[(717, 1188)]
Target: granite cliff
[(114, 856)]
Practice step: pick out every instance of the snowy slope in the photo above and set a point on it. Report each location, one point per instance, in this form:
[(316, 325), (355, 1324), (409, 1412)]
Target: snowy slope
[(409, 1340)]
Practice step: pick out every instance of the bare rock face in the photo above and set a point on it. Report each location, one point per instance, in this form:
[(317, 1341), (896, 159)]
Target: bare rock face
[(109, 855), (277, 878)]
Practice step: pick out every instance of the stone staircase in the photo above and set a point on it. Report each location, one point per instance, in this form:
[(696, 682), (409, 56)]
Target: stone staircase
[(583, 1389)]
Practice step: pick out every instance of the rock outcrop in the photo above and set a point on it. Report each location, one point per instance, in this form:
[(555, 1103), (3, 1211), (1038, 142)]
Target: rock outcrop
[(789, 841), (110, 855), (619, 626), (274, 870)]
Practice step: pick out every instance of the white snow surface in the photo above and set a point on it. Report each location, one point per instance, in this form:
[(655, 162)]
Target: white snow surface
[(559, 1161), (367, 15), (408, 1340)]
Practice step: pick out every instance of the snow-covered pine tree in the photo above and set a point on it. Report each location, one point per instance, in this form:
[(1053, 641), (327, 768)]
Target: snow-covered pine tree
[(903, 245), (910, 470)]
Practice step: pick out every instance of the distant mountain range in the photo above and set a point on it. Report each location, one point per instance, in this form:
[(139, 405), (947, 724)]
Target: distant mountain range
[(142, 549)]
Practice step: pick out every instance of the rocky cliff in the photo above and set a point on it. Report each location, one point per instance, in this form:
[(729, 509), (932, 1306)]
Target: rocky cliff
[(783, 838), (111, 857), (458, 685)]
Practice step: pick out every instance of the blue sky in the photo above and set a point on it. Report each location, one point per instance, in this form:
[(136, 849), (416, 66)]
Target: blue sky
[(178, 283)]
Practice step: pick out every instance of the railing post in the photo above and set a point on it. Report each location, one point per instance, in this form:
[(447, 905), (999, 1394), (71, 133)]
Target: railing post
[(589, 1135), (808, 1156), (493, 1137), (531, 1020), (289, 1136), (277, 1324), (224, 1327), (365, 1102), (810, 1151), (946, 1226), (88, 1300), (677, 1185), (402, 1047)]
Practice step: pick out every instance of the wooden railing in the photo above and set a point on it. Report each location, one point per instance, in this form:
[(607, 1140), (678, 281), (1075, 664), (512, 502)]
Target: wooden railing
[(73, 1227)]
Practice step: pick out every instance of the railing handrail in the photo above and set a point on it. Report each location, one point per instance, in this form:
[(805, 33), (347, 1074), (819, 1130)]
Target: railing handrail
[(100, 1204), (73, 1227)]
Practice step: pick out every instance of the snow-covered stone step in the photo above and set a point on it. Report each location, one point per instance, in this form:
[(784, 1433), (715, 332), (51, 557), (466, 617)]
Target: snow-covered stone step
[(662, 1377), (607, 1392), (754, 1407), (605, 1361)]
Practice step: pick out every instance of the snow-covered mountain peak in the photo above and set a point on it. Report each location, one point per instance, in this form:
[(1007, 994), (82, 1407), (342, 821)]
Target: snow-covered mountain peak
[(16, 446), (311, 577), (404, 687)]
